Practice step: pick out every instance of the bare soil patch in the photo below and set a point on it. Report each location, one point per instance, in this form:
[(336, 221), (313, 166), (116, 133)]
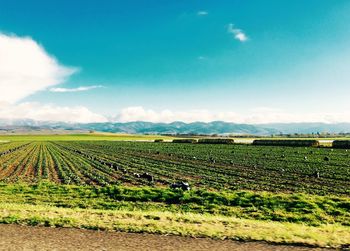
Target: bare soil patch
[(16, 237)]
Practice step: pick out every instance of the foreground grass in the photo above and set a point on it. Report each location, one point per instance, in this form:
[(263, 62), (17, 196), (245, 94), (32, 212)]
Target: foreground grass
[(184, 224), (295, 208), (244, 215)]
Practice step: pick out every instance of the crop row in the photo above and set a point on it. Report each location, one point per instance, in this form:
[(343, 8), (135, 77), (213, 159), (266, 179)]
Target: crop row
[(316, 170)]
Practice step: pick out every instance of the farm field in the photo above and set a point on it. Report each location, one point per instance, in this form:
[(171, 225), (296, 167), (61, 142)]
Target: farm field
[(296, 195), (214, 167)]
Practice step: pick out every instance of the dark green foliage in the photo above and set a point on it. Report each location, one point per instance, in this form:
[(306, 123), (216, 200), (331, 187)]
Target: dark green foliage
[(289, 142), (345, 144), (185, 141), (158, 140), (216, 141)]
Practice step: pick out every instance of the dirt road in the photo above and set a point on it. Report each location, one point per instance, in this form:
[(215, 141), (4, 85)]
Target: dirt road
[(15, 237)]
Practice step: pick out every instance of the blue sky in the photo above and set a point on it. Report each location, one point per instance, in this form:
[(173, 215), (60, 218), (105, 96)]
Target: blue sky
[(170, 59)]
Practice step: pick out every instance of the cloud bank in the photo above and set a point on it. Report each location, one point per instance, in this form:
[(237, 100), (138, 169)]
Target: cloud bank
[(261, 115), (238, 34), (49, 112)]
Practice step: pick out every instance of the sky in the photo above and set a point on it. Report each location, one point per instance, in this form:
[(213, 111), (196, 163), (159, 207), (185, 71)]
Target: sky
[(242, 61)]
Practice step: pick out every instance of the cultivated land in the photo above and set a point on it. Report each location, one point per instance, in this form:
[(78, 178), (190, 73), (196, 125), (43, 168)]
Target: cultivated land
[(297, 195)]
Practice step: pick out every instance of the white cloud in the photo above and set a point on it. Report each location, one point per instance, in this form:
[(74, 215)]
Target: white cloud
[(260, 115), (78, 89), (237, 33), (48, 112), (25, 68), (202, 13)]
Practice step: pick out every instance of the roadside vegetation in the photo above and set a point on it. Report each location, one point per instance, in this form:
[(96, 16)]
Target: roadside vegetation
[(296, 208), (241, 215)]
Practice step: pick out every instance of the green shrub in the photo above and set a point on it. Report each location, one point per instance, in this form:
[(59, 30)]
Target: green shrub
[(185, 141), (341, 144), (288, 142), (216, 141)]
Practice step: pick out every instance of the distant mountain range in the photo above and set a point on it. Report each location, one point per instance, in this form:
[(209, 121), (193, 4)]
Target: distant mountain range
[(216, 127)]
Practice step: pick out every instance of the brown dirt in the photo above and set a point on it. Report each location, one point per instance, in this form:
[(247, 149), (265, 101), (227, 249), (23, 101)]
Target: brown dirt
[(15, 237)]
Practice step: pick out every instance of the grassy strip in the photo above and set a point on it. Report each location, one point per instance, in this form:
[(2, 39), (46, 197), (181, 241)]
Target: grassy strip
[(294, 208), (74, 137), (184, 224)]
